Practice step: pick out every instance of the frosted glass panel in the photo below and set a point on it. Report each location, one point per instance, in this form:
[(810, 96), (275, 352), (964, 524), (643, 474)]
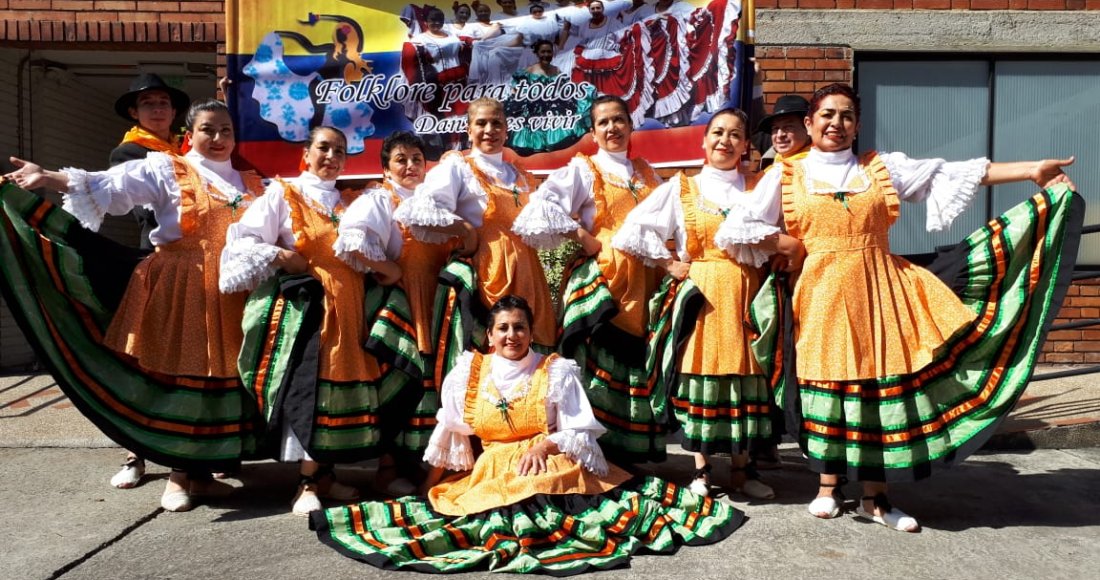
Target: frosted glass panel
[(927, 109), (1050, 109)]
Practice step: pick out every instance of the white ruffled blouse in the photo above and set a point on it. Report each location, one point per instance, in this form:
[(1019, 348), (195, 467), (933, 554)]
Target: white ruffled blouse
[(573, 427), (149, 182), (947, 188), (451, 192), (253, 243), (565, 193), (367, 229), (660, 216)]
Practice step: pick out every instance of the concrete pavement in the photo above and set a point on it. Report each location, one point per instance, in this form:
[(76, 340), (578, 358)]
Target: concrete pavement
[(1003, 514)]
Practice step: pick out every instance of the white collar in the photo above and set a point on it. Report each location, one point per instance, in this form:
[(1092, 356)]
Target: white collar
[(727, 176), (835, 171), (844, 157), (400, 191), (319, 189), (221, 170), (506, 373), (618, 157), (494, 165), (313, 180), (617, 164), (493, 159)]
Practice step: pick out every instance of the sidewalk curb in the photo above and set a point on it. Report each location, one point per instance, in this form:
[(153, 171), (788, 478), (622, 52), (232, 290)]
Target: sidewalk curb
[(1076, 436)]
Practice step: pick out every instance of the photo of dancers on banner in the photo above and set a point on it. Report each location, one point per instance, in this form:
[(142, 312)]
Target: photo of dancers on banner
[(372, 68)]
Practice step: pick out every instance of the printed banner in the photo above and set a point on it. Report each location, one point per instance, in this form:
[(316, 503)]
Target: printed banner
[(370, 68)]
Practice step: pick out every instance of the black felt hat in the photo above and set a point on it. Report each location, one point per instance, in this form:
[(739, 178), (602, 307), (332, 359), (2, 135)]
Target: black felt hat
[(148, 82), (785, 105)]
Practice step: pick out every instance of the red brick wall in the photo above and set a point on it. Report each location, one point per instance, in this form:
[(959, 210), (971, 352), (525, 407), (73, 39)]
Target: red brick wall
[(82, 21), (932, 4), (1079, 345), (802, 69)]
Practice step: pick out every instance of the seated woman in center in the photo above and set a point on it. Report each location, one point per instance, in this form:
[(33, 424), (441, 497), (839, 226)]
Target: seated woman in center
[(540, 497)]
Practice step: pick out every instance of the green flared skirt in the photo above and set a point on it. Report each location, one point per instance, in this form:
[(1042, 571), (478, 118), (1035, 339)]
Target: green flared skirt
[(458, 317), (336, 422), (717, 414), (1013, 273), (722, 414), (63, 283), (618, 382), (547, 534)]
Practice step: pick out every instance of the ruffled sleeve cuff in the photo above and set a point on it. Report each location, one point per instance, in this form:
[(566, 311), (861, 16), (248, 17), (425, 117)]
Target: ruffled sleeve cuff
[(449, 450), (419, 213), (354, 247), (581, 446), (449, 446), (952, 190), (543, 225), (640, 242), (740, 235), (579, 432), (88, 197), (245, 263)]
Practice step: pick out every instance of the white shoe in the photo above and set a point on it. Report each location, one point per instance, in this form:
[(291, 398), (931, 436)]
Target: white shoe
[(825, 508), (304, 503), (176, 501), (699, 486), (130, 474), (891, 517)]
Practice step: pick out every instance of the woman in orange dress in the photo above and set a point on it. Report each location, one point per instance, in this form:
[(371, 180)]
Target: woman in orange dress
[(165, 386), (605, 297), (476, 198), (540, 497), (371, 217), (340, 414), (896, 373), (718, 392)]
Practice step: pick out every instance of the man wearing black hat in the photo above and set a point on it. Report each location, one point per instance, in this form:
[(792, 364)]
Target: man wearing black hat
[(153, 105), (790, 140), (787, 128)]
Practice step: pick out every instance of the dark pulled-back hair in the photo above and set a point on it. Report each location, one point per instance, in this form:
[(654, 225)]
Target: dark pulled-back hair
[(403, 138), (730, 111), (435, 14), (834, 89), (317, 130), (203, 106), (511, 302), (603, 99)]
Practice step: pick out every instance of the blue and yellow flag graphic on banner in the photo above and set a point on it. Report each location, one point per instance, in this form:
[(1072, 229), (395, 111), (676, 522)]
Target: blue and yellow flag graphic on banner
[(370, 68)]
